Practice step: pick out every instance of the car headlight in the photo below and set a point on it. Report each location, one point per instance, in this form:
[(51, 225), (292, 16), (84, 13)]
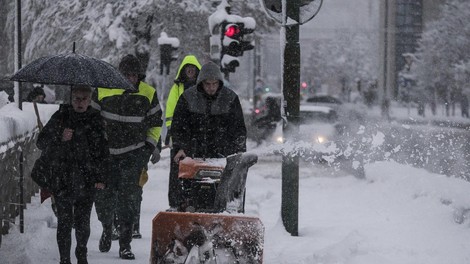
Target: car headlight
[(321, 139), (280, 139)]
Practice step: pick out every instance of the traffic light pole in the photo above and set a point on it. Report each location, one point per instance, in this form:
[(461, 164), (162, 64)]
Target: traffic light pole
[(291, 92)]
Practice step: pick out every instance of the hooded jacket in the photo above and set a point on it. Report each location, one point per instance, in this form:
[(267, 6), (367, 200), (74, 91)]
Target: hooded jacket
[(209, 126), (176, 90)]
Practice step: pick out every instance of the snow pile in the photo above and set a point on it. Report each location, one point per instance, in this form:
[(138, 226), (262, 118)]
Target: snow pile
[(397, 214), (3, 99), (16, 124)]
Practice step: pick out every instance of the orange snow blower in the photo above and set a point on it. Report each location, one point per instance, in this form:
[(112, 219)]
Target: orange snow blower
[(205, 230)]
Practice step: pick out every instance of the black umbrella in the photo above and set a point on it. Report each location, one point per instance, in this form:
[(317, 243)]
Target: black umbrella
[(72, 69)]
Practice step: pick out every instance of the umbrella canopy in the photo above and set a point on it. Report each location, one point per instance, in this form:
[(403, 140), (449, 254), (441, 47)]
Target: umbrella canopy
[(72, 69)]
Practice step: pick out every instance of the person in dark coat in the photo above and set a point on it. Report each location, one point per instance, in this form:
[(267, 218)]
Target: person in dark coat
[(464, 105), (75, 146), (208, 120), (186, 78), (133, 123)]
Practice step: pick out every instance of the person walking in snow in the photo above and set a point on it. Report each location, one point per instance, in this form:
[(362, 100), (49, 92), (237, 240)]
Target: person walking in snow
[(208, 119), (185, 78), (133, 124), (75, 150), (464, 105)]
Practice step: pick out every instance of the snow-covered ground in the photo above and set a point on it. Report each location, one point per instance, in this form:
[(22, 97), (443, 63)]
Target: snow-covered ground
[(398, 214)]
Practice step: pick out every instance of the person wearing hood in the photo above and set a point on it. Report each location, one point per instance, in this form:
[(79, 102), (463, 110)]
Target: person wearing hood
[(133, 124), (208, 120), (186, 77), (75, 155)]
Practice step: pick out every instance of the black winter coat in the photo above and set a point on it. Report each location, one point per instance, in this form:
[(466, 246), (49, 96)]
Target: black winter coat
[(209, 126), (75, 165)]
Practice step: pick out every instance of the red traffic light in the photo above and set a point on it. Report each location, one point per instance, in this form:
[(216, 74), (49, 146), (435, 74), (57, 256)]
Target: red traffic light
[(232, 31)]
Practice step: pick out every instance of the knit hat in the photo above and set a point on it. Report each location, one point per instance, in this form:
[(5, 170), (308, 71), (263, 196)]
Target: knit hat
[(131, 64)]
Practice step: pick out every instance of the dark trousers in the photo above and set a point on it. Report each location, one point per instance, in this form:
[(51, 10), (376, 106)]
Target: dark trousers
[(73, 212), (123, 194), (136, 220), (174, 198)]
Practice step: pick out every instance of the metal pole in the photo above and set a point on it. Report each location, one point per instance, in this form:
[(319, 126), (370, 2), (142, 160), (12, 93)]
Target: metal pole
[(388, 79), (256, 68), (385, 81), (291, 92), (20, 106)]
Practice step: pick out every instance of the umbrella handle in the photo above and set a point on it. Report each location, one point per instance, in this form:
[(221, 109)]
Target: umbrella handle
[(37, 116)]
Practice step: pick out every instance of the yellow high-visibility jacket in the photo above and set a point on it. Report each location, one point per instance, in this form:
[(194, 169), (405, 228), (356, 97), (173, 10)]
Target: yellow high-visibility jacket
[(132, 117), (176, 90)]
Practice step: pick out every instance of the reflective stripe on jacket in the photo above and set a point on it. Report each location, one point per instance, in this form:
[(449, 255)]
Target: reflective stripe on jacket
[(132, 118)]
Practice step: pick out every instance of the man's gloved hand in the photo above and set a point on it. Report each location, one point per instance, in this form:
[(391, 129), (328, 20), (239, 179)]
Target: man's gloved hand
[(155, 156), (179, 156)]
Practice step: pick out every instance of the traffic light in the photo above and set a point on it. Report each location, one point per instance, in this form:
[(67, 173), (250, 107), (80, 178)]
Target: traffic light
[(166, 57), (307, 9), (167, 48), (230, 39), (234, 40), (276, 5)]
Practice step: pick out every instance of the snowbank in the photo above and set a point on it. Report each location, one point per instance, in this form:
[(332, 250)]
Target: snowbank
[(15, 124)]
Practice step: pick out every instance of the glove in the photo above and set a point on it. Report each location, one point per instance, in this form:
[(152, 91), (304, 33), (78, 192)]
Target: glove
[(155, 156), (144, 177)]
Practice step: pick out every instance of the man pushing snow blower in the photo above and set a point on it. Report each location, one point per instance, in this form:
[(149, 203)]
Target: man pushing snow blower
[(208, 120), (209, 136)]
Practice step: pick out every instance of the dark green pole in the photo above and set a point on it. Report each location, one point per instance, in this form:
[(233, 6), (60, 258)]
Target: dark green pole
[(20, 106), (291, 92)]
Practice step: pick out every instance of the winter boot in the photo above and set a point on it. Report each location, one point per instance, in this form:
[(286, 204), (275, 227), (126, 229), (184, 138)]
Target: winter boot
[(105, 240), (126, 253), (136, 233), (125, 241)]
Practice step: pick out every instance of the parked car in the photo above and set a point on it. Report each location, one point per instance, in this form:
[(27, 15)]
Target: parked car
[(324, 99), (316, 125)]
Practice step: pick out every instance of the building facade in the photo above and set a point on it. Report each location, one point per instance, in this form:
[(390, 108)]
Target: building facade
[(401, 22)]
